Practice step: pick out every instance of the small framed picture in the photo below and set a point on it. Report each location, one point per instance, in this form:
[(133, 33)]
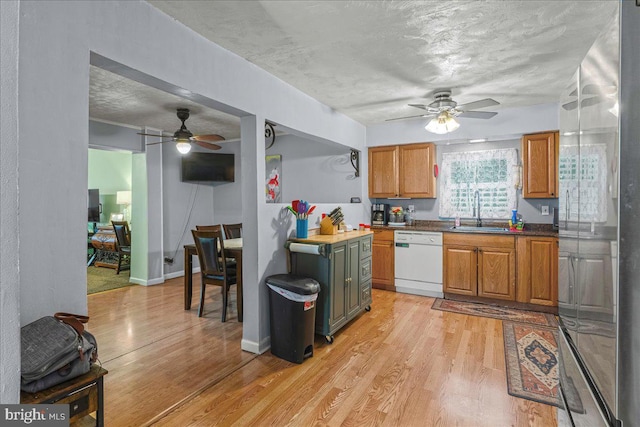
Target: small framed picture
[(274, 178)]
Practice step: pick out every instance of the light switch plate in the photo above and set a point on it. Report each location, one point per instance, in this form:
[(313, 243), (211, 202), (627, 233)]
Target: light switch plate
[(544, 210)]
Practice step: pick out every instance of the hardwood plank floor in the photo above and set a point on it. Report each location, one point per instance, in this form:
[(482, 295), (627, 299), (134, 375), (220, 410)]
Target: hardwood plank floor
[(402, 364)]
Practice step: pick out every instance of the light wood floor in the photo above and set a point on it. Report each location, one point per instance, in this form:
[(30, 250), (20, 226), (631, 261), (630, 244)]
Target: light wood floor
[(402, 364)]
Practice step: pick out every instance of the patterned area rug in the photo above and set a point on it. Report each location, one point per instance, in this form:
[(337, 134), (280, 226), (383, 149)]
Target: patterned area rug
[(531, 354), (100, 279), (502, 313)]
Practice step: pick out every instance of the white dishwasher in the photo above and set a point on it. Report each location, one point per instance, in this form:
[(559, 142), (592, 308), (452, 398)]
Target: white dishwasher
[(418, 263)]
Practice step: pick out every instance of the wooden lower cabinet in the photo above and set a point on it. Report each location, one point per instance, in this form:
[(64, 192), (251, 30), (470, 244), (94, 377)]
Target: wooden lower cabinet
[(497, 273), (538, 270), (383, 273), (480, 265), (460, 269)]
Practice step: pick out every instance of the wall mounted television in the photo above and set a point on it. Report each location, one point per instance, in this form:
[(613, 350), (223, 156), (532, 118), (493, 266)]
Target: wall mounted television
[(93, 205), (208, 167)]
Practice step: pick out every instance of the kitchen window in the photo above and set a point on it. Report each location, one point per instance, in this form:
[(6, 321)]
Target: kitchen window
[(584, 170), (493, 173)]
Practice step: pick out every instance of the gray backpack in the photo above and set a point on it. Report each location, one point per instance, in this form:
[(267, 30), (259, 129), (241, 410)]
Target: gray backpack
[(55, 349)]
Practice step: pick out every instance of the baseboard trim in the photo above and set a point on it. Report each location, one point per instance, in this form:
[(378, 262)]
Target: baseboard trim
[(419, 288), (144, 282), (254, 347), (179, 273)]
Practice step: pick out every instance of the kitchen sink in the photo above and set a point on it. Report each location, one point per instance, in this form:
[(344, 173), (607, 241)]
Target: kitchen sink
[(472, 229)]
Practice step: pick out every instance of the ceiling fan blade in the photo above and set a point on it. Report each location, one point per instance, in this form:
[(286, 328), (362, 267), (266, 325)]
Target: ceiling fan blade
[(477, 114), (151, 134), (421, 106), (588, 102), (410, 117), (159, 142), (570, 105), (487, 102), (207, 145), (595, 89), (209, 138)]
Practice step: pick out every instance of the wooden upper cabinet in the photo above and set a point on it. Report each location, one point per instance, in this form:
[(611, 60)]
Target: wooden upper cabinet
[(540, 160), (383, 172), (416, 171), (402, 171)]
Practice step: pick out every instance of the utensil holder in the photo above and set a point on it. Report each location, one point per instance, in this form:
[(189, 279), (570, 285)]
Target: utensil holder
[(326, 226), (302, 228)]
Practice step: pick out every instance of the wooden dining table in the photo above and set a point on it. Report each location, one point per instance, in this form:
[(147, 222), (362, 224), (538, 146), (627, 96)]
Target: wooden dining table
[(232, 249)]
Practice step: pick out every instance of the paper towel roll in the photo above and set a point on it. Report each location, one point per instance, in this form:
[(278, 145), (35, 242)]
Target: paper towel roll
[(305, 248)]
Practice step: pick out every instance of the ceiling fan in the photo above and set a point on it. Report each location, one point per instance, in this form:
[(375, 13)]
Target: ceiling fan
[(444, 110), (183, 137), (592, 94)]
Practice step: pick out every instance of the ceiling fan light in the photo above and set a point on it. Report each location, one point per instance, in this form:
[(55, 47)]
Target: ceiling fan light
[(183, 147), (442, 124)]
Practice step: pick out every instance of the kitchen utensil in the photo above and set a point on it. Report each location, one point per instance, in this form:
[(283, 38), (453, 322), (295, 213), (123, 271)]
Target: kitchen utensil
[(333, 212), (294, 204)]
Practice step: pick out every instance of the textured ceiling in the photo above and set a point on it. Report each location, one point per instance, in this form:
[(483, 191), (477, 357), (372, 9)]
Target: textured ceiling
[(369, 59), (118, 99)]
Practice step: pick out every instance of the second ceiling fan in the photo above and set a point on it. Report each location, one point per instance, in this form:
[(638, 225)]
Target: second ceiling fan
[(444, 109), (184, 138)]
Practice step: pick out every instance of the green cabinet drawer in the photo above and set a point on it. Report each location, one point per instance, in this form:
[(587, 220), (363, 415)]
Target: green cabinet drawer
[(366, 293), (365, 247), (365, 270)]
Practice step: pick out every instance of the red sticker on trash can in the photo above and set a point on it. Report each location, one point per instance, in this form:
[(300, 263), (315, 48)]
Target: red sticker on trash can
[(308, 305)]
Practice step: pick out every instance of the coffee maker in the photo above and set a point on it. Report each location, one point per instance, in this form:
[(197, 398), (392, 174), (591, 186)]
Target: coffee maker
[(379, 214)]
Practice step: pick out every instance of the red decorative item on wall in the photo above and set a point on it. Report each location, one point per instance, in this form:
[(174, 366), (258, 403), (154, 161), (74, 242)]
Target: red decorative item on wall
[(435, 171)]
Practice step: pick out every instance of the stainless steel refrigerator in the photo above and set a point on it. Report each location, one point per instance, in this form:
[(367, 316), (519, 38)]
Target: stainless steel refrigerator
[(599, 244)]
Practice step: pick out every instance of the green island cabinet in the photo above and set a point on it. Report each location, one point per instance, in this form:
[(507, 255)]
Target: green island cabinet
[(343, 269)]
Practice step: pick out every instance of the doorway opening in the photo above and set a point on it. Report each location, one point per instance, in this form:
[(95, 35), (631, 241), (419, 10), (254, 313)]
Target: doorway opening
[(110, 188)]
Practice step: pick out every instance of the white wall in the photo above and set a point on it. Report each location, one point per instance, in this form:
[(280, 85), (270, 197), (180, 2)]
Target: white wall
[(113, 137), (55, 42), (9, 259), (185, 206), (315, 171), (502, 131)]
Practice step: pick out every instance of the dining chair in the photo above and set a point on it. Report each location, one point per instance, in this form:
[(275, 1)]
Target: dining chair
[(209, 227), (232, 231), (230, 261), (123, 244), (213, 266)]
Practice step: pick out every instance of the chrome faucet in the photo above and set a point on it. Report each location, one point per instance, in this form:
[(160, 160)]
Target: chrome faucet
[(476, 208)]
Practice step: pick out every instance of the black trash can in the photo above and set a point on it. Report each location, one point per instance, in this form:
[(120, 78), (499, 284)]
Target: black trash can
[(293, 315)]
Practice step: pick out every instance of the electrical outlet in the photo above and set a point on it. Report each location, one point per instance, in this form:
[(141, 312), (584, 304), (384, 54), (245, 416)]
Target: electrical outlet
[(411, 207), (544, 210)]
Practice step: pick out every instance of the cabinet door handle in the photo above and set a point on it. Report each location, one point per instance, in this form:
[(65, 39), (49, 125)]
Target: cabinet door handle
[(475, 250)]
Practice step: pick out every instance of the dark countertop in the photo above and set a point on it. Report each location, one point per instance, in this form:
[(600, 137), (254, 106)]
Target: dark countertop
[(542, 230)]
